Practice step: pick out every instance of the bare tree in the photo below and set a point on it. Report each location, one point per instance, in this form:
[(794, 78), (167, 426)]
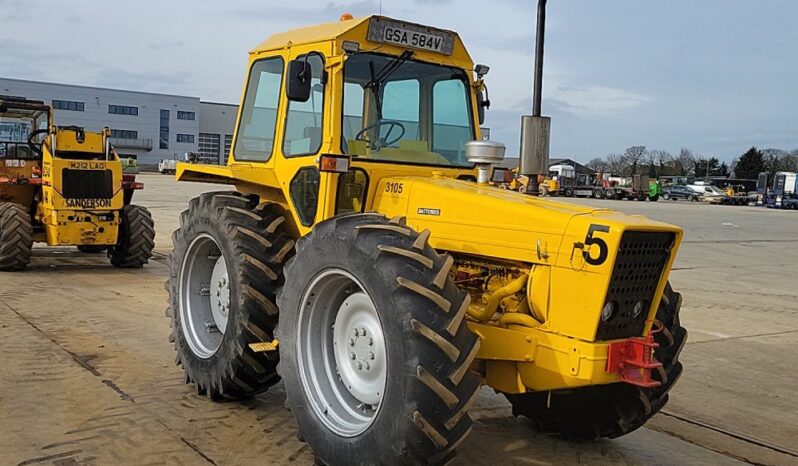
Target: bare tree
[(789, 161), (683, 162), (617, 164), (634, 155), (598, 165)]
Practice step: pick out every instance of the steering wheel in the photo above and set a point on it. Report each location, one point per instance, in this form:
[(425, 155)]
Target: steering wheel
[(381, 141), (36, 146)]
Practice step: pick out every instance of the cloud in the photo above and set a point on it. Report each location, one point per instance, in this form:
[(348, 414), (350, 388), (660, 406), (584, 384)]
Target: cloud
[(14, 10), (310, 15), (166, 45), (152, 81), (593, 100)]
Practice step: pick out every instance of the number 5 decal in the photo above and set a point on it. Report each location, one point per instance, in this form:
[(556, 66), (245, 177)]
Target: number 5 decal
[(602, 245)]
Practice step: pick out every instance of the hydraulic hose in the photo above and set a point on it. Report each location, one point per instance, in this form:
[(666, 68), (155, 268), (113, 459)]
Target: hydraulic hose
[(494, 299)]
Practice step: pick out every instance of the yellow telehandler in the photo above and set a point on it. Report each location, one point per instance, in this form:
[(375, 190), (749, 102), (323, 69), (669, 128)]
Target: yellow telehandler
[(64, 186), (364, 259)]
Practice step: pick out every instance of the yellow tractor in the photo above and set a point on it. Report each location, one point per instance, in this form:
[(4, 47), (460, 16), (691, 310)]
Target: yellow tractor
[(64, 186), (364, 259)]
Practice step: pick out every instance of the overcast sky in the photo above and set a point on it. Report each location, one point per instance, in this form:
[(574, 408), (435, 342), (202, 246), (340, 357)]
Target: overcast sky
[(716, 76)]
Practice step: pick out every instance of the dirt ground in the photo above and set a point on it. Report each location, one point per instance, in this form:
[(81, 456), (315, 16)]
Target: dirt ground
[(87, 375)]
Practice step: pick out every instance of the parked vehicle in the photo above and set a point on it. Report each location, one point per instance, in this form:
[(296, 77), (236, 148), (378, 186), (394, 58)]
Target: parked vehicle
[(708, 193), (785, 191), (674, 193)]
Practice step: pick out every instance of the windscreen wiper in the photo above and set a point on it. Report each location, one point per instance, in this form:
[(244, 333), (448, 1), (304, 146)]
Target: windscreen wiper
[(379, 77)]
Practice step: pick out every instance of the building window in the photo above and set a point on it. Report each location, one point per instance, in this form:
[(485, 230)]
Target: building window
[(209, 146), (123, 110), (124, 134), (164, 135), (228, 143), (69, 105), (186, 138), (185, 115)]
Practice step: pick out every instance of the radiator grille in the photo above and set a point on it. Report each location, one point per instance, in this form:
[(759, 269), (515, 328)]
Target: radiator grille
[(87, 184), (641, 258)]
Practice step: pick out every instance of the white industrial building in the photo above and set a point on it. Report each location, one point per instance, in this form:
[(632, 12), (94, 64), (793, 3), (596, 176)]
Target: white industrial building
[(148, 126)]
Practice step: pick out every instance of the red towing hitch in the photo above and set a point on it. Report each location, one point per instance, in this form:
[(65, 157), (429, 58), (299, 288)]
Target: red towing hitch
[(634, 359)]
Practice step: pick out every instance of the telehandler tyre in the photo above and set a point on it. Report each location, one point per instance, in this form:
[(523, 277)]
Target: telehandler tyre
[(375, 352), (226, 266), (16, 236), (616, 409), (136, 238)]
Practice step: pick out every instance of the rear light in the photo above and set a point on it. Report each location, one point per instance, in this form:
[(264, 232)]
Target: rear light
[(128, 177)]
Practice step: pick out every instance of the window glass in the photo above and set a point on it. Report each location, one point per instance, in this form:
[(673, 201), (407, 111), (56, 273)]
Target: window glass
[(255, 138), (451, 122), (303, 122), (304, 192), (400, 102), (351, 196), (402, 110)]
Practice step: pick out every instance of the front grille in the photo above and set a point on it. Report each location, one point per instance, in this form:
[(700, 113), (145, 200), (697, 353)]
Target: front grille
[(641, 257), (87, 184)]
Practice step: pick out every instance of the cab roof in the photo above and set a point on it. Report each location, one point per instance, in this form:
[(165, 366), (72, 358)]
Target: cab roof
[(355, 29)]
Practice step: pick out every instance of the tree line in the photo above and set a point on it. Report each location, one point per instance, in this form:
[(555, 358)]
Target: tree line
[(638, 160)]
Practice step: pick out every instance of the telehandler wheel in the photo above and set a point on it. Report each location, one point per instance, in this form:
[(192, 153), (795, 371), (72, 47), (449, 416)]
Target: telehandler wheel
[(91, 248), (375, 352), (136, 238), (226, 266), (616, 409), (16, 236)]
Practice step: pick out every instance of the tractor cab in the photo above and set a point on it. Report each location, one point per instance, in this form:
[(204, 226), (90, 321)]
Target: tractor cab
[(337, 107)]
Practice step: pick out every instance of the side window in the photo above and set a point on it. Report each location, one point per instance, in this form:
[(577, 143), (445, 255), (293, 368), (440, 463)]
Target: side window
[(304, 192), (400, 102), (255, 138), (451, 120), (353, 112), (303, 122), (351, 196)]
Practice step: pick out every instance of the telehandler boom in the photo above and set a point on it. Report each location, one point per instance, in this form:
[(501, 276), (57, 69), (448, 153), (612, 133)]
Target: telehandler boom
[(364, 259)]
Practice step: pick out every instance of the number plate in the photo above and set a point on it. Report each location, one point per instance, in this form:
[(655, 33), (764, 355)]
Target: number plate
[(411, 36)]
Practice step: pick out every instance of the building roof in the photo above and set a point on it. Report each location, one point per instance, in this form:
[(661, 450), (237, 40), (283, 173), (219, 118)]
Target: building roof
[(80, 86)]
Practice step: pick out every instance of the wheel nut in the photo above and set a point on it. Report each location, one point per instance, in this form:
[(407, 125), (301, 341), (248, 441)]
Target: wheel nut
[(351, 342), (370, 341), (363, 332), (366, 366), (371, 355), (352, 356), (356, 332), (358, 365)]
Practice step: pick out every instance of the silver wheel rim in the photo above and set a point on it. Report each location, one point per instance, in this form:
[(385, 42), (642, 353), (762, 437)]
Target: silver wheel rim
[(204, 296), (341, 352)]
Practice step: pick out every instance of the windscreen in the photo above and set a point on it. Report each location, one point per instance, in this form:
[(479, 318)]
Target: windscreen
[(400, 110)]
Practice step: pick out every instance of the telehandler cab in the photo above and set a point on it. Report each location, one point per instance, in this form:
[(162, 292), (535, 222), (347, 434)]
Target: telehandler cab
[(364, 259), (64, 186)]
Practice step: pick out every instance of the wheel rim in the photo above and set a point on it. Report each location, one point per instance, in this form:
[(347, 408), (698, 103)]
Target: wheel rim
[(341, 352), (204, 296)]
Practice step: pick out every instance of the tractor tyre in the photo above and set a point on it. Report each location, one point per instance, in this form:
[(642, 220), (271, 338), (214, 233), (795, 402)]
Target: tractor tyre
[(616, 409), (569, 192), (375, 352), (136, 239), (91, 248), (226, 267), (16, 236)]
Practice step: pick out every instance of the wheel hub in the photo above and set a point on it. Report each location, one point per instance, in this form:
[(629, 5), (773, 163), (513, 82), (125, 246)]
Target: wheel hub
[(204, 296), (341, 352), (360, 348), (220, 293)]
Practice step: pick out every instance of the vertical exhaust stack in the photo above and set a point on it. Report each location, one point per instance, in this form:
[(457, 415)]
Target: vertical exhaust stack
[(535, 129)]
